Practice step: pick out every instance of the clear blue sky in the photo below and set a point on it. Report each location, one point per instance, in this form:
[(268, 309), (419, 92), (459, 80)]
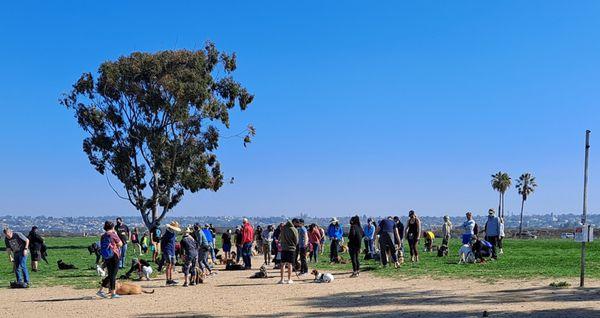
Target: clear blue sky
[(365, 107)]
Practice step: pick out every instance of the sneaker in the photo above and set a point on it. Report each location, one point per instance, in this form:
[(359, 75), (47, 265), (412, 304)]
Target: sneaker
[(281, 282), (101, 294), (185, 284), (192, 283), (116, 296), (289, 282)]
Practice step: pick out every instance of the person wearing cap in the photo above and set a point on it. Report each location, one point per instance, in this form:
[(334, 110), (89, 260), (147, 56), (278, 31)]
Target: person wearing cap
[(492, 231), (446, 231), (468, 228), (247, 242), (369, 237), (335, 233), (238, 244), (168, 248), (189, 248)]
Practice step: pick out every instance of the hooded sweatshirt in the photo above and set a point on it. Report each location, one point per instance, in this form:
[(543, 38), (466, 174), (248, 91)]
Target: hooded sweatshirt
[(334, 231), (288, 237)]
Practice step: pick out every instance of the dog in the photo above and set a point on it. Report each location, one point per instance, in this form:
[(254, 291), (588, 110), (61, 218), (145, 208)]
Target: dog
[(233, 266), (130, 289), (262, 273), (322, 277), (342, 248), (95, 249), (339, 260), (64, 266), (442, 251), (100, 271), (465, 255)]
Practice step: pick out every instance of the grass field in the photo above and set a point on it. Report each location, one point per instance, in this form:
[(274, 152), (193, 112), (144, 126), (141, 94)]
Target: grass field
[(523, 259)]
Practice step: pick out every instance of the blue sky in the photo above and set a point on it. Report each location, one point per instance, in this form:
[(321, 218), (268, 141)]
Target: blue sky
[(360, 107)]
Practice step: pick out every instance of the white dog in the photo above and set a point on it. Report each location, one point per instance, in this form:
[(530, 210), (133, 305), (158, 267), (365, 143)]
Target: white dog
[(100, 271), (146, 271), (322, 277), (465, 254)]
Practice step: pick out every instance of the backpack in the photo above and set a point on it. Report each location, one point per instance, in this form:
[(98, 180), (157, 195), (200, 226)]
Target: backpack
[(106, 248)]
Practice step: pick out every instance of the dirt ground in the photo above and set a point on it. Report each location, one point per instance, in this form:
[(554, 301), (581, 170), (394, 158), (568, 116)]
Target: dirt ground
[(233, 294)]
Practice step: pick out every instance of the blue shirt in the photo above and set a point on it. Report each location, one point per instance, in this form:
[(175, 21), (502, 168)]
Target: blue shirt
[(369, 231), (301, 233), (492, 227), (387, 225), (168, 243), (335, 231), (208, 235)]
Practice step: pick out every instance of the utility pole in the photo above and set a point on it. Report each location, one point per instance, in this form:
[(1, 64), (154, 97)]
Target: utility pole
[(584, 216)]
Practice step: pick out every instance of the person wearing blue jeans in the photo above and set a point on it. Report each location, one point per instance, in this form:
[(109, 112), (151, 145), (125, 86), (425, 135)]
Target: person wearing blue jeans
[(123, 232), (247, 255), (211, 242), (18, 245)]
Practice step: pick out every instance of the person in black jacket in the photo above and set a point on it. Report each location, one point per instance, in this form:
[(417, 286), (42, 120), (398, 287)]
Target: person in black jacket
[(355, 237), (35, 246)]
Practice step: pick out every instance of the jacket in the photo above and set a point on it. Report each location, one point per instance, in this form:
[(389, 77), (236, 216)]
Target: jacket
[(247, 233), (492, 226), (446, 229), (335, 231), (288, 237), (355, 236), (369, 232)]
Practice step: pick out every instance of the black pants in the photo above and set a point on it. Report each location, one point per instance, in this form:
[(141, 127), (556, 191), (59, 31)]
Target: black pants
[(494, 241), (333, 251), (354, 252), (303, 264), (387, 247), (112, 266), (412, 245)]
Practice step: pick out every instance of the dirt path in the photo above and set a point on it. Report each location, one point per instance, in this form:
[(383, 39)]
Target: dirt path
[(233, 294)]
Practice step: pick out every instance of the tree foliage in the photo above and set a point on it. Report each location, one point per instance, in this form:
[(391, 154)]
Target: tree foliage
[(501, 181), (153, 122)]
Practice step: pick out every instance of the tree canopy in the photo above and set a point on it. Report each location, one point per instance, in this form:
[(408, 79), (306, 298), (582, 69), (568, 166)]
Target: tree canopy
[(153, 121)]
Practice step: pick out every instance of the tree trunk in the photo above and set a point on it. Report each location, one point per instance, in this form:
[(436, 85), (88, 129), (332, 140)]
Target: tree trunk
[(500, 203), (521, 223)]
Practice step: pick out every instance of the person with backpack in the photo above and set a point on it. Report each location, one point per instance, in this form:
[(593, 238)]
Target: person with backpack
[(110, 249), (17, 247)]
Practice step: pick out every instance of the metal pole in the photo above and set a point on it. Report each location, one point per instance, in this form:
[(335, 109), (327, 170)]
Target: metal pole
[(584, 216)]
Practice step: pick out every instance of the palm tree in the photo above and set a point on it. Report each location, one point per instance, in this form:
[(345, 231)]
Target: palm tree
[(526, 185), (501, 182)]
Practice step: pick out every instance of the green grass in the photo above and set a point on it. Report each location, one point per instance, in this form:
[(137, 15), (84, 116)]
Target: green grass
[(522, 259)]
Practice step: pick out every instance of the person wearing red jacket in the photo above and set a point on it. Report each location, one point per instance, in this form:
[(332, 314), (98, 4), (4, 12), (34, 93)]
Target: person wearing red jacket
[(247, 240)]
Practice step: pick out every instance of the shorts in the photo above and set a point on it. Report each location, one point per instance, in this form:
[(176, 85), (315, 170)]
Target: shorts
[(169, 259), (287, 257), (466, 238), (226, 247), (189, 267)]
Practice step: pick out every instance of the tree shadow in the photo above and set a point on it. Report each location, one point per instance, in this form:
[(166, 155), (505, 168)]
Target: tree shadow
[(53, 300)]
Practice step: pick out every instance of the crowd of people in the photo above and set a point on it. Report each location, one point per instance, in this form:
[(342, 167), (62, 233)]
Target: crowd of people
[(289, 246)]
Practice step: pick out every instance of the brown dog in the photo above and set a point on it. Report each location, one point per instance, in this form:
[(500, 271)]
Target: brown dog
[(131, 289)]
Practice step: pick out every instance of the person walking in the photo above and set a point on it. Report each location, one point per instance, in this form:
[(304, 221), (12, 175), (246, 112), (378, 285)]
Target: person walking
[(110, 249), (288, 240), (226, 244), (267, 240), (168, 248), (446, 231), (124, 234), (314, 239), (17, 247), (36, 241), (468, 229), (189, 248), (247, 241), (355, 237), (387, 232), (369, 237), (335, 233), (302, 246), (492, 231), (413, 235)]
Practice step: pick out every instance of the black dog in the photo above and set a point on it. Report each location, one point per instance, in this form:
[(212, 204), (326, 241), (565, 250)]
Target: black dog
[(95, 249), (443, 251), (64, 266), (232, 266)]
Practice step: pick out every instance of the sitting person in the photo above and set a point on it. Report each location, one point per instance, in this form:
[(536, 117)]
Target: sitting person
[(481, 249)]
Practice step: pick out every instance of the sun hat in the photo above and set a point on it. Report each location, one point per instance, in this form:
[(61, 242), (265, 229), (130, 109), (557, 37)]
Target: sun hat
[(174, 225), (334, 220)]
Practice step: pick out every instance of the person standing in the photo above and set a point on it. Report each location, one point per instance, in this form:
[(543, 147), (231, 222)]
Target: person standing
[(355, 236), (314, 239), (501, 238), (124, 234), (211, 242), (238, 244), (110, 249), (247, 241), (492, 231), (288, 240), (369, 232), (203, 248), (413, 235), (267, 240), (400, 239), (276, 246), (189, 248), (335, 233), (446, 231), (302, 246), (17, 247), (168, 248), (387, 232), (36, 241), (155, 238), (136, 241), (226, 244), (258, 238), (468, 228)]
